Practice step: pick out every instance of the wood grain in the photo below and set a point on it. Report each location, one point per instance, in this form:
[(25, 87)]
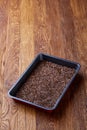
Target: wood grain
[(28, 27)]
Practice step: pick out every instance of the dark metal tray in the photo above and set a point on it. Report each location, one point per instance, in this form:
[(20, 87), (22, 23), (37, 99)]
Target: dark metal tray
[(27, 72)]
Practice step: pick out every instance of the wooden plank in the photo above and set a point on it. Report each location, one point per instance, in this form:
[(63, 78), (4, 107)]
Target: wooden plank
[(54, 28), (42, 36), (41, 30), (26, 115), (73, 115), (11, 70), (3, 27), (80, 23)]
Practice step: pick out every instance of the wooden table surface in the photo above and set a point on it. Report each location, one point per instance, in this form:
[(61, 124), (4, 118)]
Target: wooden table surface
[(56, 27)]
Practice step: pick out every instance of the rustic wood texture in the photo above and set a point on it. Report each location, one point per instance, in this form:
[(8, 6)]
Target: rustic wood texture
[(57, 27)]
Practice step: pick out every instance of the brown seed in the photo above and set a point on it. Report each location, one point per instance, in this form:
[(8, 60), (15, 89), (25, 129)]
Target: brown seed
[(45, 84)]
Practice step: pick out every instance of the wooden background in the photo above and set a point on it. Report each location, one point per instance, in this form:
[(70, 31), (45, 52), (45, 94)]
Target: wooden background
[(57, 27)]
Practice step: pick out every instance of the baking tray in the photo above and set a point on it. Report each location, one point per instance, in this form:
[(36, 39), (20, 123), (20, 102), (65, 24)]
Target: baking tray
[(25, 75)]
